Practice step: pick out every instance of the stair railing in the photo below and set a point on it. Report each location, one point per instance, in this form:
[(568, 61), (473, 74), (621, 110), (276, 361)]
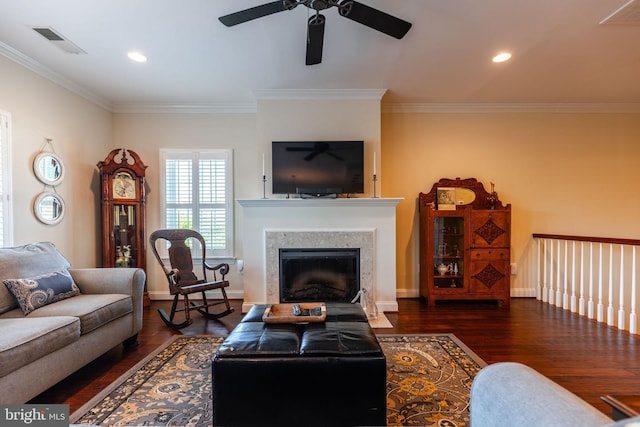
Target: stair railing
[(592, 276)]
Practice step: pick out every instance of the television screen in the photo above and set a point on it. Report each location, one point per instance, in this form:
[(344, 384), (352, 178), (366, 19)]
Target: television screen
[(318, 167)]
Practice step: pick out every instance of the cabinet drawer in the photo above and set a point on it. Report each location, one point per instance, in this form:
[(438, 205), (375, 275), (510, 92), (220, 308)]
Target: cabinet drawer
[(490, 254)]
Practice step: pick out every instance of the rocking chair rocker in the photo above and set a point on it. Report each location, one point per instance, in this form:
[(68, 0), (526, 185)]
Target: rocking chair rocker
[(183, 281)]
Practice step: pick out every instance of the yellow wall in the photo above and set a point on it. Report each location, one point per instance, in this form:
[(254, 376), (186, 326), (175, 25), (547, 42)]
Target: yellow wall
[(563, 173)]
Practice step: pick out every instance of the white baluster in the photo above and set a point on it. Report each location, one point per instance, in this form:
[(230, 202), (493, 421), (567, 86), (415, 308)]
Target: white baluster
[(632, 316), (573, 277), (545, 288), (621, 308), (558, 287), (565, 294), (538, 284), (610, 318), (600, 317), (590, 305), (581, 299), (550, 296)]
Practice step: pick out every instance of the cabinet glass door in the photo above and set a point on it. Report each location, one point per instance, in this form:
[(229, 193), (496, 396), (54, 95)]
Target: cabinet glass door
[(124, 235), (448, 256)]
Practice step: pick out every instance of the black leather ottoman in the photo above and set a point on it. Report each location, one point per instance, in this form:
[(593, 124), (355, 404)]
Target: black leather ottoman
[(315, 374)]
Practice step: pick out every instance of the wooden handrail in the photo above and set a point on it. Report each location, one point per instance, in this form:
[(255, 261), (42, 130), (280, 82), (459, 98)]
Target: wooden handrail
[(612, 240)]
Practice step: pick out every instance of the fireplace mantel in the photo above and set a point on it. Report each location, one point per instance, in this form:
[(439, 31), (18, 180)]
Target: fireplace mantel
[(318, 202), (317, 218)]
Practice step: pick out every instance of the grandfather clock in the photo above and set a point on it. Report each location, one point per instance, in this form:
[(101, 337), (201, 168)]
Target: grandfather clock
[(123, 210)]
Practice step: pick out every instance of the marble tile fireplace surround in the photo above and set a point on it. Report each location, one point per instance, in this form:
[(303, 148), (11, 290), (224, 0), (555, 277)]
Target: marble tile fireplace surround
[(368, 224)]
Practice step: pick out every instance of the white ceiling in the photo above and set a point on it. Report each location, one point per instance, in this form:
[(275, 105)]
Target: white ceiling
[(561, 52)]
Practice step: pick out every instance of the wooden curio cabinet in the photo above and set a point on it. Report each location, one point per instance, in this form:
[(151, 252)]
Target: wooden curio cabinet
[(465, 245), (123, 199)]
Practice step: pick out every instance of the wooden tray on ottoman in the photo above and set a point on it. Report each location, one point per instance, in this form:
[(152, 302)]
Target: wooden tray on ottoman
[(284, 313)]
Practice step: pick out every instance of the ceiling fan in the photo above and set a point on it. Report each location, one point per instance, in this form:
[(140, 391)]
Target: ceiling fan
[(365, 15)]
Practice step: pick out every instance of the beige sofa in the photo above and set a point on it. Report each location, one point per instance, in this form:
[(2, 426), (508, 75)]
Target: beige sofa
[(72, 317)]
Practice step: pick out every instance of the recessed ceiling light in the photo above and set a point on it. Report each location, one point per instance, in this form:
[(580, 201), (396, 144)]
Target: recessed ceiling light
[(502, 57), (137, 56)]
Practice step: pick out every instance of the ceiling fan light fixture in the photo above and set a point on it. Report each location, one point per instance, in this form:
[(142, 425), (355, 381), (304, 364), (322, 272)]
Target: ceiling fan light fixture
[(137, 56), (501, 57)]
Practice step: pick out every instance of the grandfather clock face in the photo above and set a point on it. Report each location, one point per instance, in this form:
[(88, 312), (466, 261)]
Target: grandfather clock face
[(124, 186)]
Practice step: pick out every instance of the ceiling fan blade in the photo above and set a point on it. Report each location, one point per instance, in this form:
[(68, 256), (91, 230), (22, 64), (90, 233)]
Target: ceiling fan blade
[(335, 156), (311, 156), (253, 13), (374, 18), (299, 149), (315, 39)]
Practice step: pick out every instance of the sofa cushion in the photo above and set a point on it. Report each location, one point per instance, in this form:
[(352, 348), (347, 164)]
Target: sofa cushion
[(27, 261), (25, 340), (93, 310), (35, 292)]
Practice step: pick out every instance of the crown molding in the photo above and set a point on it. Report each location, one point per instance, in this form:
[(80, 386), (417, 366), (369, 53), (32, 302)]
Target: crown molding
[(33, 65), (320, 94), (633, 108), (214, 108)]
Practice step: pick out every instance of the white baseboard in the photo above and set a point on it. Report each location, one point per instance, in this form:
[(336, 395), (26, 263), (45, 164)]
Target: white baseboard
[(515, 293), (390, 306), (523, 293), (407, 293)]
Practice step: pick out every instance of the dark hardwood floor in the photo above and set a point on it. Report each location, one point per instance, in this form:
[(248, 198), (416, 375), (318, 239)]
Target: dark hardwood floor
[(586, 357)]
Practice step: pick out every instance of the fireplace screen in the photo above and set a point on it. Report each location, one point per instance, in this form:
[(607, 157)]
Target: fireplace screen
[(319, 274)]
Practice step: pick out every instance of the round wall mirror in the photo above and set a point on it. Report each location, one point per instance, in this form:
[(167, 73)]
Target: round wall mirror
[(48, 168), (49, 208)]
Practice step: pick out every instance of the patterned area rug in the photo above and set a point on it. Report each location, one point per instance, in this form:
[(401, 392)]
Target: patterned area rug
[(428, 379), (428, 383)]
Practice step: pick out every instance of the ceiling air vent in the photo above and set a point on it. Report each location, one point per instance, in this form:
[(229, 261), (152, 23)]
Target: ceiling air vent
[(58, 39), (628, 14)]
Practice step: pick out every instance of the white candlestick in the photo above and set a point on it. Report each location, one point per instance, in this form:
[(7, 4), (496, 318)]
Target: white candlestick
[(263, 174), (374, 163)]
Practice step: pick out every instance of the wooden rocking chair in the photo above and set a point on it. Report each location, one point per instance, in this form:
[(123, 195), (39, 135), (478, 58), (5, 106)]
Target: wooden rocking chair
[(183, 281)]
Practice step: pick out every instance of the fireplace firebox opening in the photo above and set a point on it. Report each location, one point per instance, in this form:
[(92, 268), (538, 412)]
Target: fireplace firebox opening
[(319, 274)]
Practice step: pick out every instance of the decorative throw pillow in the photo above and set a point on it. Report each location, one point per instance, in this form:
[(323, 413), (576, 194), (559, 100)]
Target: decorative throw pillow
[(35, 292)]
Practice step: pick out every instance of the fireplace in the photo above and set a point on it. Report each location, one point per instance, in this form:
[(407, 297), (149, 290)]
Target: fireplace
[(319, 274), (360, 241), (367, 224)]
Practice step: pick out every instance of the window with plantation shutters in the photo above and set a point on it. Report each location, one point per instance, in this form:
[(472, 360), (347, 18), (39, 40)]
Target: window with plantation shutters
[(197, 195), (6, 226)]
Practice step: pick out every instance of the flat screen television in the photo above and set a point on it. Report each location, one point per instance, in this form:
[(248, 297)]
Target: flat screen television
[(317, 168)]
